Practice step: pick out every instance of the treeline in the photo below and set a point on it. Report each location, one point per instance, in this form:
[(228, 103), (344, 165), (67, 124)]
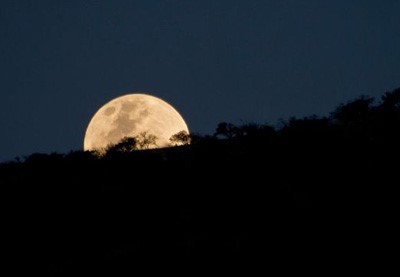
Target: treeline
[(363, 120), (286, 194)]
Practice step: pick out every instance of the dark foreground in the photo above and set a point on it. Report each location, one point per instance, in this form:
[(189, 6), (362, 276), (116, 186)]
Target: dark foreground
[(310, 195)]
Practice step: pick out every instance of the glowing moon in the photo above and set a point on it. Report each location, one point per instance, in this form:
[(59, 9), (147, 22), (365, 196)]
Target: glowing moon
[(130, 115)]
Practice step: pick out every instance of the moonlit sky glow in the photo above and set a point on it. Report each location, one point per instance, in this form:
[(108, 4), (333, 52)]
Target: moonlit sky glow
[(214, 60)]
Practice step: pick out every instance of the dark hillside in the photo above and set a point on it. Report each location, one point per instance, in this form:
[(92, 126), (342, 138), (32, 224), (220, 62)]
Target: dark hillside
[(294, 196)]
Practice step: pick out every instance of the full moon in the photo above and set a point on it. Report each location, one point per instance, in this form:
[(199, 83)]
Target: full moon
[(131, 115)]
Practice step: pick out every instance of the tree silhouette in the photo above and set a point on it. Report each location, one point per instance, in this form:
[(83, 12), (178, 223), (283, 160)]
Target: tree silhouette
[(391, 100), (226, 130), (355, 111), (180, 138), (255, 130), (145, 140), (125, 145)]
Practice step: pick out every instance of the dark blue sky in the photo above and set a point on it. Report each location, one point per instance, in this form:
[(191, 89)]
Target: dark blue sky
[(218, 60)]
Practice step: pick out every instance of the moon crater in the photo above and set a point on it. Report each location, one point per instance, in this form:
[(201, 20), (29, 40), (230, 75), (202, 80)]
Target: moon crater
[(109, 111)]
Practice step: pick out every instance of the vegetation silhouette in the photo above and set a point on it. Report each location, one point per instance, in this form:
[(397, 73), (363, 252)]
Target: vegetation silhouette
[(126, 145), (145, 140), (302, 192), (180, 138)]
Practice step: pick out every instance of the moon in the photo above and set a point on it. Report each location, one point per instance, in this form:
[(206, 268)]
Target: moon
[(130, 115)]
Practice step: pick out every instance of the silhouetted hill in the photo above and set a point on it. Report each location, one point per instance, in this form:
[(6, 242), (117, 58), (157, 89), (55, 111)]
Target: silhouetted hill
[(278, 198)]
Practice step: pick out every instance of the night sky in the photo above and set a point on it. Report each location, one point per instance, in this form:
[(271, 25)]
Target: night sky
[(218, 60)]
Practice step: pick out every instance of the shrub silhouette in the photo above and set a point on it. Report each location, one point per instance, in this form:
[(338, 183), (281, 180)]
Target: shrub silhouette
[(180, 138), (355, 111), (391, 101), (226, 130), (125, 145)]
